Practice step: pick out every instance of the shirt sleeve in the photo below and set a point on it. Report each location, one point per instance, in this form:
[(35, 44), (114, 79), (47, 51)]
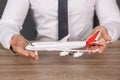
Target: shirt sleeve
[(109, 16), (12, 19)]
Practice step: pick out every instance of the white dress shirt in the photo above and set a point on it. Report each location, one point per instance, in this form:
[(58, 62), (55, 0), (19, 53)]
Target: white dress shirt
[(80, 14)]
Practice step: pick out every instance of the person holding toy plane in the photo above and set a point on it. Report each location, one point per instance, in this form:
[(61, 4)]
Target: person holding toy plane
[(74, 15)]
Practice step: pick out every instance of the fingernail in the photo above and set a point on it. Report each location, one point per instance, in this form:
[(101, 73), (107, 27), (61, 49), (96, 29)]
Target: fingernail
[(100, 51), (36, 53), (36, 58)]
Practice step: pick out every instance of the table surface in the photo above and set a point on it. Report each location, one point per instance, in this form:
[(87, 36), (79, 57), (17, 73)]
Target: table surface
[(51, 66)]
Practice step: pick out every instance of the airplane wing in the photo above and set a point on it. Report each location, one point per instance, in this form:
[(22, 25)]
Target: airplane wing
[(85, 50), (65, 39), (76, 53)]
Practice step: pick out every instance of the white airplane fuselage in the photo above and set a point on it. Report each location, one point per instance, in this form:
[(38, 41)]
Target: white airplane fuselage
[(56, 46)]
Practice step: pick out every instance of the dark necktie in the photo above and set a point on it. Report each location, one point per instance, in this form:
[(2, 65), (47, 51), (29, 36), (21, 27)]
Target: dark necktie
[(62, 19)]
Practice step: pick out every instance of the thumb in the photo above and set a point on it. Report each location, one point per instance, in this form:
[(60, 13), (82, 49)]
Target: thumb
[(13, 42), (106, 36)]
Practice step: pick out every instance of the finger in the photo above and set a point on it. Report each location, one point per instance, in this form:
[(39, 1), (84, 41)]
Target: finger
[(103, 42), (105, 35), (26, 53), (101, 49), (33, 55), (93, 48), (23, 52), (88, 48), (36, 58)]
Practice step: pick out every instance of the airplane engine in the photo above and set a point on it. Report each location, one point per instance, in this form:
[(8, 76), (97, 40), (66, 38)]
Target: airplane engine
[(64, 53), (77, 54)]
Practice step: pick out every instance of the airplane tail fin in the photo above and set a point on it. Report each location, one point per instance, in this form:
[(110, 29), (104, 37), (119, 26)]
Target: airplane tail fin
[(93, 40)]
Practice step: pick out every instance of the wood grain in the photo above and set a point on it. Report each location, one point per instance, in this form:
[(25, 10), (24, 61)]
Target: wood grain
[(51, 66)]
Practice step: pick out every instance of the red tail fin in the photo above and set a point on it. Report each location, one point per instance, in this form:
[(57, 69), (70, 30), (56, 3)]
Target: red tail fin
[(93, 40)]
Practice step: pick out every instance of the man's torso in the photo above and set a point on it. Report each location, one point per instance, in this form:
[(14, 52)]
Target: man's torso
[(80, 17)]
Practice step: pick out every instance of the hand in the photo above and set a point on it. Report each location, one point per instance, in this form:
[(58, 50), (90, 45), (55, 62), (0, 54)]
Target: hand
[(18, 44), (102, 39)]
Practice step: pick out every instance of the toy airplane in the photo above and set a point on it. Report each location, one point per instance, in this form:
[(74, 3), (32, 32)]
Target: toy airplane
[(66, 48)]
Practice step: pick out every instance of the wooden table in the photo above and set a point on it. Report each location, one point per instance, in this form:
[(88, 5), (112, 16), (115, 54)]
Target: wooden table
[(51, 66)]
